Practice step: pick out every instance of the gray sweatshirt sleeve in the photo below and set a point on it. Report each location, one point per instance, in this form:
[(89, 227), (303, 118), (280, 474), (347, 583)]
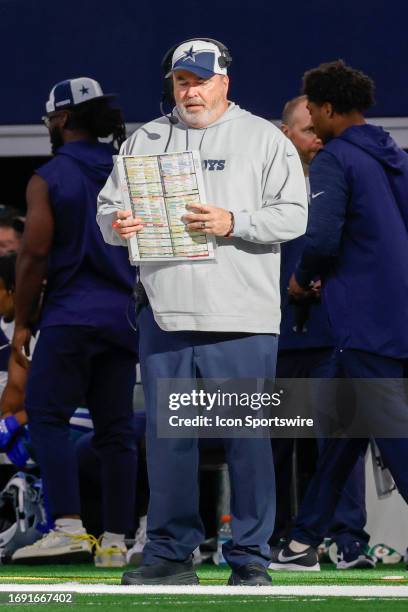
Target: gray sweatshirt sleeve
[(282, 215), (109, 202)]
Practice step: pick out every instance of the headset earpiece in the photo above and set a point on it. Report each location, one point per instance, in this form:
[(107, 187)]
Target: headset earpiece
[(222, 62), (167, 93)]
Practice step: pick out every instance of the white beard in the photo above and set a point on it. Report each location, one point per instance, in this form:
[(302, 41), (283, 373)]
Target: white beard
[(203, 118)]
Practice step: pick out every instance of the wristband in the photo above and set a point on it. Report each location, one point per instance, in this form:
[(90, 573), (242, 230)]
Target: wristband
[(231, 228)]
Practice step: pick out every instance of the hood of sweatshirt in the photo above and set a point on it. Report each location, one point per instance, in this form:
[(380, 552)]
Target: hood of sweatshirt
[(378, 143), (95, 158)]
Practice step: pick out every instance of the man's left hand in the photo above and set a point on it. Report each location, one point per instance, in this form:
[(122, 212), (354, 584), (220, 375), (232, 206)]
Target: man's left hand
[(296, 291), (207, 219)]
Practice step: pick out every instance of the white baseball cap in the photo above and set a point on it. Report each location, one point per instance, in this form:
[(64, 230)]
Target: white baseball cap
[(71, 92), (200, 57)]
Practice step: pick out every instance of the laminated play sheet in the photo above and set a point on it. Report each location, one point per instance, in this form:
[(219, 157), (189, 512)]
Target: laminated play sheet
[(157, 188)]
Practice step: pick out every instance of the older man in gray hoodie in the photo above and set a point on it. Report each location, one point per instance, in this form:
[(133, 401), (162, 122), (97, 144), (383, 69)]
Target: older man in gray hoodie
[(212, 319)]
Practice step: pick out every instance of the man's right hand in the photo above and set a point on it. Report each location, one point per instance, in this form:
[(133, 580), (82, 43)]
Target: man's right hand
[(20, 346), (127, 226)]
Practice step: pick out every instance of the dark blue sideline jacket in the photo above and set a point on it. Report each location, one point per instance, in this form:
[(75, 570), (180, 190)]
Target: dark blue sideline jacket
[(357, 239)]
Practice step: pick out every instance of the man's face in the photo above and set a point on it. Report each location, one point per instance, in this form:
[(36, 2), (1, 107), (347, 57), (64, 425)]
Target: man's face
[(322, 118), (200, 102), (302, 133), (9, 240)]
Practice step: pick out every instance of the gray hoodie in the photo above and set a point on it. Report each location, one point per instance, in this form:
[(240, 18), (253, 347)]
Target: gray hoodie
[(251, 169)]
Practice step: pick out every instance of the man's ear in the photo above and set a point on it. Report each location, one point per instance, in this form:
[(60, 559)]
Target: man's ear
[(65, 115), (226, 81), (328, 109), (285, 128)]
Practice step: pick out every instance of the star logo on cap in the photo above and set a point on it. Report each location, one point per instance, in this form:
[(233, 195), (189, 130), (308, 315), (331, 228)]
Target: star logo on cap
[(190, 54), (84, 90)]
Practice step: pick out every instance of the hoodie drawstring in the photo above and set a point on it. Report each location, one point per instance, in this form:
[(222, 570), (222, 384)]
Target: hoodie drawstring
[(169, 138), (187, 138), (202, 138)]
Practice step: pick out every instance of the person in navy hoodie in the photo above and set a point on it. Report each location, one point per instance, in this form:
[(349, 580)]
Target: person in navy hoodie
[(86, 349), (306, 351), (357, 241)]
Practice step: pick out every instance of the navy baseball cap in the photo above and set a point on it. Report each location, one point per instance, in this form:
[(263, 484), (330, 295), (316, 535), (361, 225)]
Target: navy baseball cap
[(72, 92), (198, 56)]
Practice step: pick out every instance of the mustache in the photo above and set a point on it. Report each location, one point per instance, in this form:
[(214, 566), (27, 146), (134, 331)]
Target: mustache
[(193, 102)]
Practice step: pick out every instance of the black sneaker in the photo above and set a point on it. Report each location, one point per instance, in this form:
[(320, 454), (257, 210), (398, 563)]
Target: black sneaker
[(286, 559), (163, 572), (252, 574)]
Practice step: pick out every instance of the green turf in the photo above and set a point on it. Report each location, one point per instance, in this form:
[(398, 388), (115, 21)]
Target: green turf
[(201, 603), (208, 574)]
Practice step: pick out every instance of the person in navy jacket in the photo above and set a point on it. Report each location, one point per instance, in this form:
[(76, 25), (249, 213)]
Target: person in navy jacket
[(86, 350), (306, 347), (357, 242)]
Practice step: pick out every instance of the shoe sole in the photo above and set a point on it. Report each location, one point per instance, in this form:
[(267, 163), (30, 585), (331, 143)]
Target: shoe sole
[(238, 582), (186, 578), (109, 563), (292, 567), (76, 557)]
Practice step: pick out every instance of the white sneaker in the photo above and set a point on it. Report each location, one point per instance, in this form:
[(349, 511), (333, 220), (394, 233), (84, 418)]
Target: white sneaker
[(134, 554), (110, 556), (385, 554), (57, 547)]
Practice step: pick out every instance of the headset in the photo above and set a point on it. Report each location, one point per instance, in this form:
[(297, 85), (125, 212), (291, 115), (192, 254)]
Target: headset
[(224, 61)]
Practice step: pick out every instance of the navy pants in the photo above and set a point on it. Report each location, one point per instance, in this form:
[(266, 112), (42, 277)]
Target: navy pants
[(174, 526), (350, 514), (90, 479), (72, 365), (339, 456)]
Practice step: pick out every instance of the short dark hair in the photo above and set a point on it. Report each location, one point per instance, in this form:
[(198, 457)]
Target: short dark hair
[(99, 119), (345, 88), (8, 270)]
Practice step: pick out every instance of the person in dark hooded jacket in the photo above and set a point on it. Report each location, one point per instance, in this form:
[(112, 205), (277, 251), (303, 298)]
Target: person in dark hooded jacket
[(86, 349), (357, 242)]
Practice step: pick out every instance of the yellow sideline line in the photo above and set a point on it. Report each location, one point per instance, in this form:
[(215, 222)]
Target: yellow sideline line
[(102, 579), (50, 578), (203, 581)]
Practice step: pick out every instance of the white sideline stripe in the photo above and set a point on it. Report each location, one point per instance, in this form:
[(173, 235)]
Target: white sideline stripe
[(302, 591)]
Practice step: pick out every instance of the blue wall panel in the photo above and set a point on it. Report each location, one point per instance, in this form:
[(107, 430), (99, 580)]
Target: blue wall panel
[(121, 43)]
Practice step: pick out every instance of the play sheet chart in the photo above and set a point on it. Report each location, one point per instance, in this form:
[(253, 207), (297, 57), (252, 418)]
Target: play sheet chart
[(157, 189)]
